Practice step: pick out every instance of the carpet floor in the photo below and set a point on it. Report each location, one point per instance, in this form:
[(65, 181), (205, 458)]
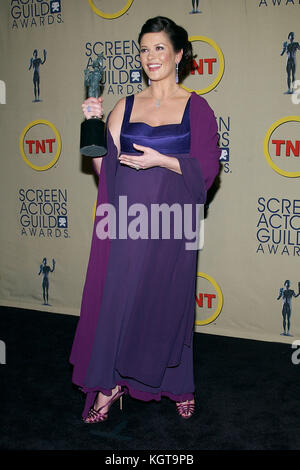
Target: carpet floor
[(247, 396)]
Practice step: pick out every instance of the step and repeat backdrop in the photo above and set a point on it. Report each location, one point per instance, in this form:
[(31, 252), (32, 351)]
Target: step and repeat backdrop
[(246, 52)]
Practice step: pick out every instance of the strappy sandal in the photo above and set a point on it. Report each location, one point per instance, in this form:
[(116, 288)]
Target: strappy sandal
[(95, 416), (185, 409)]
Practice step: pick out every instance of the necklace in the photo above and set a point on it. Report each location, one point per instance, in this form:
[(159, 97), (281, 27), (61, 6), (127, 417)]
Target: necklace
[(158, 101)]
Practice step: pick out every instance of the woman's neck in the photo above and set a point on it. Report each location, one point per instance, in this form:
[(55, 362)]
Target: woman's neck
[(160, 91)]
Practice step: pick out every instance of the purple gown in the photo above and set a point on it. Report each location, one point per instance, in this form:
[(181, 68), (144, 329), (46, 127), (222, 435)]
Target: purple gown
[(137, 314)]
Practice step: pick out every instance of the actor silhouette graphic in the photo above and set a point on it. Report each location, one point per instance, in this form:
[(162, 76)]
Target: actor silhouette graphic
[(35, 63), (45, 270), (195, 4), (286, 294), (290, 48)]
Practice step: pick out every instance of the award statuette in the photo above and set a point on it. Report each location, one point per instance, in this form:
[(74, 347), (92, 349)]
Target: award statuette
[(92, 138)]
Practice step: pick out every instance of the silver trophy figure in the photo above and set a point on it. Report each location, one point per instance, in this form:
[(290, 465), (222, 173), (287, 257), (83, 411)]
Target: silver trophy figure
[(92, 138)]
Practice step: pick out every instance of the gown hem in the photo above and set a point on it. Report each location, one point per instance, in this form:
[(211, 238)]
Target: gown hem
[(141, 395)]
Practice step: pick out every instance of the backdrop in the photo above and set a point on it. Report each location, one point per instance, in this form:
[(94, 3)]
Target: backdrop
[(244, 66)]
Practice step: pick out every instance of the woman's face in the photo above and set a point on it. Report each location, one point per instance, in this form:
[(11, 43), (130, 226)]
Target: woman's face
[(158, 57)]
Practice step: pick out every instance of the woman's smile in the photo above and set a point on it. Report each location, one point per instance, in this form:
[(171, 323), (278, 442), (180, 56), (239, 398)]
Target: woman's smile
[(154, 67)]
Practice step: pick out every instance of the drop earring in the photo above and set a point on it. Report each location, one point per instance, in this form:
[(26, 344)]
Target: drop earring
[(149, 81), (177, 73)]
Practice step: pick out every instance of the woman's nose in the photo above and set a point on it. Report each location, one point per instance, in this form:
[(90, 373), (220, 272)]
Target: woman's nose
[(151, 54)]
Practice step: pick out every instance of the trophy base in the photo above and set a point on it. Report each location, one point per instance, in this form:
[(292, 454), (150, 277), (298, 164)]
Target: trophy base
[(92, 138), (93, 151)]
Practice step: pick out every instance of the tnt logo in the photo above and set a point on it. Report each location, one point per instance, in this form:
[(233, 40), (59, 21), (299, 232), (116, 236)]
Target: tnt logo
[(286, 147), (204, 65), (55, 6), (126, 4), (208, 65), (135, 76), (282, 146), (209, 299), (40, 145)]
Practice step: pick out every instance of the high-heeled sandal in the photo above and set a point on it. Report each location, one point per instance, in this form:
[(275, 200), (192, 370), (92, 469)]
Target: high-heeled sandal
[(95, 416), (185, 409)]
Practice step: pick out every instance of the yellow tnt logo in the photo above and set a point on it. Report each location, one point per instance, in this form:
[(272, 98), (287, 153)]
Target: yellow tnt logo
[(209, 65), (209, 299), (110, 16), (40, 145), (282, 146)]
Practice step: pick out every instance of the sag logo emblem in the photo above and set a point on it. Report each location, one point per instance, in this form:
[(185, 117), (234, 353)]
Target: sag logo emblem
[(110, 16)]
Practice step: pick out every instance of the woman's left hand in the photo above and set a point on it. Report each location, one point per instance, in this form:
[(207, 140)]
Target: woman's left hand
[(149, 158)]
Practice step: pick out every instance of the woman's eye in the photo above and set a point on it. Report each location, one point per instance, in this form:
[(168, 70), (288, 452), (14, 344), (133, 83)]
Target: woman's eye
[(159, 48), (143, 50)]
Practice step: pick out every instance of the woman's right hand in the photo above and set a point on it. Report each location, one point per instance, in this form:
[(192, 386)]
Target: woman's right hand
[(92, 107)]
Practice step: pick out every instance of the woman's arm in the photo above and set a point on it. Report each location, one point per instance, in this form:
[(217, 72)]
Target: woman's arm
[(149, 159), (97, 162), (171, 163)]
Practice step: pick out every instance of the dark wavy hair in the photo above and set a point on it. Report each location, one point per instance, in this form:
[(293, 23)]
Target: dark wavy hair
[(178, 36)]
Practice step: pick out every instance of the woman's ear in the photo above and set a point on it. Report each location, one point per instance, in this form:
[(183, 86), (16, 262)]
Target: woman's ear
[(179, 56)]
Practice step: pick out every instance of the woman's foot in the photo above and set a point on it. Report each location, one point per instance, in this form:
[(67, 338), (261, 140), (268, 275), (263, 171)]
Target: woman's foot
[(186, 408), (102, 400), (99, 411)]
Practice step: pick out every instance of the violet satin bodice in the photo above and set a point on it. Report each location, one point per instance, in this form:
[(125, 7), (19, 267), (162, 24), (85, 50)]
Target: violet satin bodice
[(169, 139)]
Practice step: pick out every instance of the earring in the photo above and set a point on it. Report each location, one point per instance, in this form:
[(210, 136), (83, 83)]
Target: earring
[(177, 73), (149, 81)]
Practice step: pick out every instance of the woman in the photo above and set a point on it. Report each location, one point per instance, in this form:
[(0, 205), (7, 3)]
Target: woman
[(135, 333)]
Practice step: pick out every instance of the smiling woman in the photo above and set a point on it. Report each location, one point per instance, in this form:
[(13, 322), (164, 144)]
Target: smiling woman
[(158, 55), (175, 36), (162, 151)]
